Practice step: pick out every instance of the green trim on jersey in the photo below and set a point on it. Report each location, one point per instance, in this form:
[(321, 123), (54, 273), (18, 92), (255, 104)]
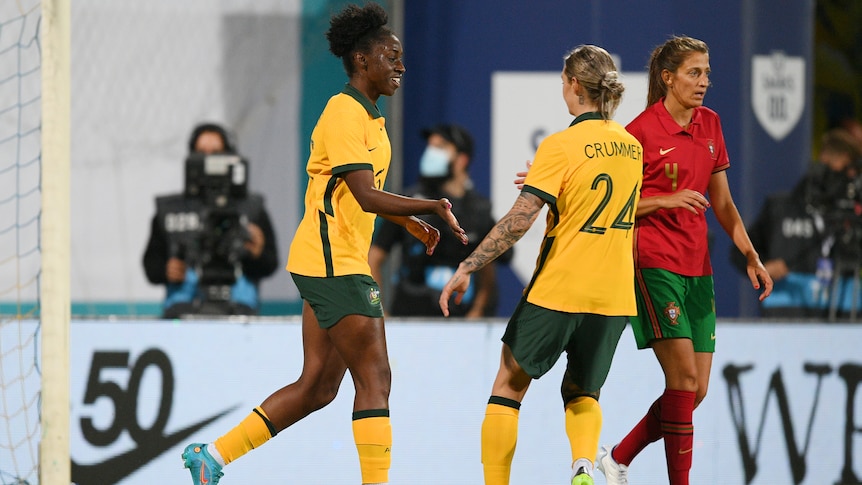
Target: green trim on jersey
[(350, 167), (361, 99), (592, 115), (325, 246), (550, 199), (543, 257)]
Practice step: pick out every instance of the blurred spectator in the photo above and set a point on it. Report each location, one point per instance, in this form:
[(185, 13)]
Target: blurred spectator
[(812, 234), (212, 244), (837, 67), (443, 171)]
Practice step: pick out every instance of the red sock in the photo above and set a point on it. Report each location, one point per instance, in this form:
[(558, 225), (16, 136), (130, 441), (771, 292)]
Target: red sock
[(677, 429), (645, 432)]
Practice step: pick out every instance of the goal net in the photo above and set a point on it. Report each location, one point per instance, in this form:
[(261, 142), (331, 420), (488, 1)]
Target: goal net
[(20, 210), (33, 389)]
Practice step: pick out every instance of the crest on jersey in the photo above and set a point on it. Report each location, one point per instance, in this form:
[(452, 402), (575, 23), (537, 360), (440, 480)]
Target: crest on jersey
[(778, 92), (671, 311), (374, 296), (711, 146)]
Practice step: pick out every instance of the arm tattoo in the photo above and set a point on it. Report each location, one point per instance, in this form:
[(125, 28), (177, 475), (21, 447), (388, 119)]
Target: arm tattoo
[(507, 231)]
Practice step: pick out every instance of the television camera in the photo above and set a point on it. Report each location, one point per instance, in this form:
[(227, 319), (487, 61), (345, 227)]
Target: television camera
[(836, 197), (216, 186)]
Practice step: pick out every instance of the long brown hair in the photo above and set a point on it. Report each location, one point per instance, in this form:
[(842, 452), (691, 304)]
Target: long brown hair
[(670, 56)]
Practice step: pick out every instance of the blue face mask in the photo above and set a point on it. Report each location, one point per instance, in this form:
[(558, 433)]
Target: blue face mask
[(434, 162)]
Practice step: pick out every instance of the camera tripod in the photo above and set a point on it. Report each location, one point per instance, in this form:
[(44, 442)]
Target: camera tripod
[(842, 267)]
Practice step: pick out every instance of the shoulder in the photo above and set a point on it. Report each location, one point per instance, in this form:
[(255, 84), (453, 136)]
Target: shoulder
[(341, 105), (708, 117), (620, 131), (560, 138)]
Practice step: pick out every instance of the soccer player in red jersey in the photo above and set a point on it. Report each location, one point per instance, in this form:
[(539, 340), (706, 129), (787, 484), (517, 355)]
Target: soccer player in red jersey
[(684, 162)]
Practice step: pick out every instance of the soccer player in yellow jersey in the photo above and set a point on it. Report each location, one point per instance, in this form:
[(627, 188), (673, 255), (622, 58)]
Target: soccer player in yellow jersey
[(582, 289), (342, 317)]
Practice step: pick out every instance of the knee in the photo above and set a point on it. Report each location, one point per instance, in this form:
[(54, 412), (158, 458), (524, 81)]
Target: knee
[(319, 395), (571, 391), (683, 380), (375, 380)]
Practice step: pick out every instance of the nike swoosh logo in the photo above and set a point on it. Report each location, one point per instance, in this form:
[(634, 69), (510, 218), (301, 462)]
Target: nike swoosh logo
[(665, 152), (121, 466), (203, 474), (372, 149), (682, 452), (712, 336)]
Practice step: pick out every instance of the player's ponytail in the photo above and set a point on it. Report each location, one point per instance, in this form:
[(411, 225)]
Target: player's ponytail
[(594, 68)]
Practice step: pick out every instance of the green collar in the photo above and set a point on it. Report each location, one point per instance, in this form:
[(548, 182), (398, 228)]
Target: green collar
[(592, 115), (365, 102)]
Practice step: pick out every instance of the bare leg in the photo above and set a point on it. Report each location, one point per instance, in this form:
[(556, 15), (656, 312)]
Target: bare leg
[(511, 381), (322, 372), (361, 343), (703, 362)]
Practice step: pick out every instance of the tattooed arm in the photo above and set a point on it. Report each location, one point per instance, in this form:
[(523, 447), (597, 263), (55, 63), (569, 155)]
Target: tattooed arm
[(503, 236)]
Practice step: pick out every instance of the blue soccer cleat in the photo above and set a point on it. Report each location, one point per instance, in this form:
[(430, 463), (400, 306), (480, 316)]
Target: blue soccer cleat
[(205, 470)]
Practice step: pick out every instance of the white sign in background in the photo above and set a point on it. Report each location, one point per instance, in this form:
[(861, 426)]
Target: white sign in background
[(168, 377), (525, 108)]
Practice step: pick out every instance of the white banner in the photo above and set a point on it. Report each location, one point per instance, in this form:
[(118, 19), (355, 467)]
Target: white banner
[(782, 406)]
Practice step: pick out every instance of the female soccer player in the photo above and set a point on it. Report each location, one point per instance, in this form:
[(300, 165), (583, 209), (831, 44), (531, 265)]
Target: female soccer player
[(342, 318), (582, 289), (684, 160)]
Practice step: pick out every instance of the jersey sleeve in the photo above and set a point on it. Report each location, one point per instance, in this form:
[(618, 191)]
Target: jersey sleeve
[(345, 140), (545, 177), (722, 160)]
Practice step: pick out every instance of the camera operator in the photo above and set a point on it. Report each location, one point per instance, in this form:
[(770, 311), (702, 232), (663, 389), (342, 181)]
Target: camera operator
[(810, 239), (211, 245)]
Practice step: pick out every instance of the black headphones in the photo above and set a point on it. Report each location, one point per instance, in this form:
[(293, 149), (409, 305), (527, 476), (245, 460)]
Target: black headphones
[(226, 137)]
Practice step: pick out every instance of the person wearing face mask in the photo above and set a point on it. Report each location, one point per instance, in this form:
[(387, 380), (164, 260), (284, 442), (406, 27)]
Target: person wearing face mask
[(443, 170), (804, 234)]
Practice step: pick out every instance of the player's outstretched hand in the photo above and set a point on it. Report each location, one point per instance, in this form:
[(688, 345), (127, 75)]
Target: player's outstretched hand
[(521, 176), (445, 213), (421, 230), (457, 285)]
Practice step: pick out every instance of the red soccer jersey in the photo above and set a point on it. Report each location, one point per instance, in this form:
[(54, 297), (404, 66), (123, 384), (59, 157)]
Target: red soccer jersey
[(676, 159)]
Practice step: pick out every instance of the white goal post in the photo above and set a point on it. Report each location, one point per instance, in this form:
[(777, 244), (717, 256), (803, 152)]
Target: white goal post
[(54, 453)]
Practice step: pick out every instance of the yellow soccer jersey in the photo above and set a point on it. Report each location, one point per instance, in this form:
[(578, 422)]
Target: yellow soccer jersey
[(334, 235), (590, 175)]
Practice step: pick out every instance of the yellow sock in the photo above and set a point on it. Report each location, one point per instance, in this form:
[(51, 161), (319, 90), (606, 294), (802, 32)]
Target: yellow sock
[(499, 437), (250, 433), (583, 426), (372, 433)]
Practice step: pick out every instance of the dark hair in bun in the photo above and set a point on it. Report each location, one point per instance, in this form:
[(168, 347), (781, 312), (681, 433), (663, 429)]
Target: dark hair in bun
[(356, 29)]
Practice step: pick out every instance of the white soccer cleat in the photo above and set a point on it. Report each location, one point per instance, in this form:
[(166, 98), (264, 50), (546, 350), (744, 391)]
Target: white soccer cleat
[(615, 473)]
